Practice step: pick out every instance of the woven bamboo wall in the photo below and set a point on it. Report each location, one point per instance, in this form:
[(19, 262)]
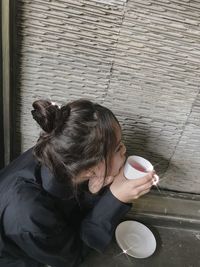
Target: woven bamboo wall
[(139, 58)]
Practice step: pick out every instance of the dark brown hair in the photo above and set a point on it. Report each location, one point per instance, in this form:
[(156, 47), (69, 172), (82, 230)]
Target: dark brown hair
[(76, 136)]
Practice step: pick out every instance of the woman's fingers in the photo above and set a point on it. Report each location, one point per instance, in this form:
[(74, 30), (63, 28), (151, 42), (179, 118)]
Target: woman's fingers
[(144, 186), (127, 190), (144, 192), (144, 180), (141, 190)]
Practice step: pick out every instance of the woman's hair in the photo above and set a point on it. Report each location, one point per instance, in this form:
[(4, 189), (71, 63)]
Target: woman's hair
[(76, 136)]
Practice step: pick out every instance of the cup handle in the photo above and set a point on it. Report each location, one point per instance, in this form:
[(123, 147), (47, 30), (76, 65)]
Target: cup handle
[(155, 179)]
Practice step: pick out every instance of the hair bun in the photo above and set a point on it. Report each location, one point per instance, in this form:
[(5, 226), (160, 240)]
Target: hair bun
[(46, 114), (65, 112)]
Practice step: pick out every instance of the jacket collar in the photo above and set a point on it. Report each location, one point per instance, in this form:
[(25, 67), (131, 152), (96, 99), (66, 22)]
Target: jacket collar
[(53, 186)]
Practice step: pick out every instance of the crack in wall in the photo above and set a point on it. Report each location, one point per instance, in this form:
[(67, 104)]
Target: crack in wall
[(182, 132), (112, 62)]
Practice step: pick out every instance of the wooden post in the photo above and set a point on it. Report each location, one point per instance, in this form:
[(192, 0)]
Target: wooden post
[(8, 90), (1, 99)]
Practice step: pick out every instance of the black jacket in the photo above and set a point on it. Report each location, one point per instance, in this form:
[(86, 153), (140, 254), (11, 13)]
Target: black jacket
[(42, 222)]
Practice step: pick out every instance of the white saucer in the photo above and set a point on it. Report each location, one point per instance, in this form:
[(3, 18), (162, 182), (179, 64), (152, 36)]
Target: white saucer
[(135, 239)]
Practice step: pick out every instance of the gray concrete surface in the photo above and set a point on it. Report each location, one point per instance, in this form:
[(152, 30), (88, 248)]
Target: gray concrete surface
[(175, 221), (176, 247)]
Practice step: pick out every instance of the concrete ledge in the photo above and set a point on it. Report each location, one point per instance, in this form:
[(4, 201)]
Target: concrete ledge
[(169, 209)]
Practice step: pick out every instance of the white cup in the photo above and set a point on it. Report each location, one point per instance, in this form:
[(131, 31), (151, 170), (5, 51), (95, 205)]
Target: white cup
[(137, 167)]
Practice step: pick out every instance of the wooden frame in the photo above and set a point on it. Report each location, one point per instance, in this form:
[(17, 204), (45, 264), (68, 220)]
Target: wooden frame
[(8, 81), (1, 100)]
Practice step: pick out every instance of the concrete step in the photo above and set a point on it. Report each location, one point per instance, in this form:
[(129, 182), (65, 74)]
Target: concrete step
[(168, 208), (176, 247), (174, 219)]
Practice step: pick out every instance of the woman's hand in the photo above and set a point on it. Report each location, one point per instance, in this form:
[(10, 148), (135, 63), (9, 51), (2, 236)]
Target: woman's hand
[(127, 190)]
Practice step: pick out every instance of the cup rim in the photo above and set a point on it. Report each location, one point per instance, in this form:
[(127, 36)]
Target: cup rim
[(140, 160)]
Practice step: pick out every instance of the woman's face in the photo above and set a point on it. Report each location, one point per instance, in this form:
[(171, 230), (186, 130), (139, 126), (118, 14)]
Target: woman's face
[(97, 178), (119, 155)]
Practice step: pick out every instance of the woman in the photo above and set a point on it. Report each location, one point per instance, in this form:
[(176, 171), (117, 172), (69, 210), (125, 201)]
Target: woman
[(68, 192)]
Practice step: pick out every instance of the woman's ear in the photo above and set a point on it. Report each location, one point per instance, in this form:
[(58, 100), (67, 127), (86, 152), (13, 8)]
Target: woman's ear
[(83, 176), (95, 184), (96, 177), (108, 180)]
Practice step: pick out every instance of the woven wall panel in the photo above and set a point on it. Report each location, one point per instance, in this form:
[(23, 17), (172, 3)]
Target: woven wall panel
[(139, 58)]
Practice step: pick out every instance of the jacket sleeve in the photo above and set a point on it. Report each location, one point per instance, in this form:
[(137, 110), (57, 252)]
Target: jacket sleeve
[(98, 226)]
